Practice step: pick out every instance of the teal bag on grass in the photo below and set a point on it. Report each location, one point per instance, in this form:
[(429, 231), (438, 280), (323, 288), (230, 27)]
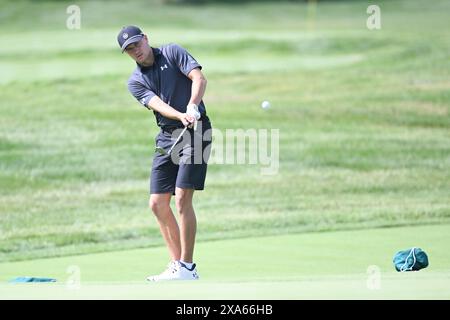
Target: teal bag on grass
[(412, 259)]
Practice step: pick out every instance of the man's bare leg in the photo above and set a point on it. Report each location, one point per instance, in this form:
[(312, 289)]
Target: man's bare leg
[(188, 222), (160, 205)]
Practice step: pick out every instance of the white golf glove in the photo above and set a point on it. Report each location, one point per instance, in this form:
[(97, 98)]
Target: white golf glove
[(192, 110)]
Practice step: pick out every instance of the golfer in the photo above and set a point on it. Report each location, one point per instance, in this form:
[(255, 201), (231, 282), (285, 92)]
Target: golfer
[(169, 81)]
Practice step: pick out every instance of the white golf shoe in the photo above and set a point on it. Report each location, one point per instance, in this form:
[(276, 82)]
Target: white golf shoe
[(168, 274), (176, 271), (185, 273)]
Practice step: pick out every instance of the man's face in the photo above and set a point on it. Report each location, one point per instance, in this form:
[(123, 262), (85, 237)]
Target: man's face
[(139, 51)]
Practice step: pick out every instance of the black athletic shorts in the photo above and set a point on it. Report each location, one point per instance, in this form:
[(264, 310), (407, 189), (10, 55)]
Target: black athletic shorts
[(186, 166)]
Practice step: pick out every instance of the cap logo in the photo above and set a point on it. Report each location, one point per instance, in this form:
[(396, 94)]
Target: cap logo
[(125, 36)]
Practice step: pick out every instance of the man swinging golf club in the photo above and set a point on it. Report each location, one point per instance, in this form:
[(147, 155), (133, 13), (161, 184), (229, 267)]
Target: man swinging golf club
[(169, 81)]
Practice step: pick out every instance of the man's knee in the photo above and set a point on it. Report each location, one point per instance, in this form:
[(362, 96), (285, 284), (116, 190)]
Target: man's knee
[(158, 204), (183, 200)]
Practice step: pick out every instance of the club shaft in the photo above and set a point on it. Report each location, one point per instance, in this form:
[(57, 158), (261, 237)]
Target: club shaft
[(176, 141)]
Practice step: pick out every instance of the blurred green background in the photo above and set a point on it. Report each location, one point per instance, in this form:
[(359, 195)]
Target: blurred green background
[(363, 118)]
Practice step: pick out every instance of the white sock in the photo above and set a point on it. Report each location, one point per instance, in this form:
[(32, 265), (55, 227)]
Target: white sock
[(187, 264)]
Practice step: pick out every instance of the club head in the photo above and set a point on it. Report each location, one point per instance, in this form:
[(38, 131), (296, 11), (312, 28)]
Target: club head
[(160, 150)]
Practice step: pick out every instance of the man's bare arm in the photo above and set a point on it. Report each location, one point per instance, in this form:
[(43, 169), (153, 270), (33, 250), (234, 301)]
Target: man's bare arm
[(167, 111), (198, 85)]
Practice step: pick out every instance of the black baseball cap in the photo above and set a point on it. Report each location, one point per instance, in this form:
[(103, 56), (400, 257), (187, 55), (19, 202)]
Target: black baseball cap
[(129, 35)]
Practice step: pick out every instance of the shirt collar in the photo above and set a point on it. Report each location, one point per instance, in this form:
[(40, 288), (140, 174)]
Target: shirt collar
[(156, 55)]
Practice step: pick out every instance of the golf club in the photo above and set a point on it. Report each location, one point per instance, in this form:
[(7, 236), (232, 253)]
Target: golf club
[(161, 150)]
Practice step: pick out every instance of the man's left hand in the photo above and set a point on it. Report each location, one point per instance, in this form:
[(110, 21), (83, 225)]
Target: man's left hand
[(192, 110)]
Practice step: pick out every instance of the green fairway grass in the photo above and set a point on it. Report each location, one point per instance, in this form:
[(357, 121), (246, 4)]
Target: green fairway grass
[(328, 265), (363, 118)]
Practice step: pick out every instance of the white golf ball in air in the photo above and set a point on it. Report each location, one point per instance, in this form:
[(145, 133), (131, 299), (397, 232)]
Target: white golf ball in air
[(265, 105)]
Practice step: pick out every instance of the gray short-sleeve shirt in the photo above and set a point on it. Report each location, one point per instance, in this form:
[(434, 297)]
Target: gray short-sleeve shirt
[(167, 79)]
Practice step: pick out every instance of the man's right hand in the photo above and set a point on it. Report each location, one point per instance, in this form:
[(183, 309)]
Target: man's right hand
[(187, 119)]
